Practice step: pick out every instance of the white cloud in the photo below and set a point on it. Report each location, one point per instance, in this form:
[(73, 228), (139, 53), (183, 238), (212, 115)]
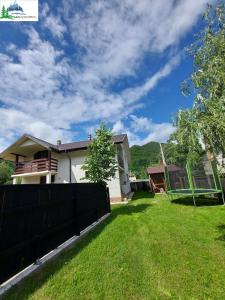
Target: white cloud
[(117, 34), (158, 132), (140, 124), (43, 92), (52, 22), (14, 123), (132, 94), (118, 127), (33, 86)]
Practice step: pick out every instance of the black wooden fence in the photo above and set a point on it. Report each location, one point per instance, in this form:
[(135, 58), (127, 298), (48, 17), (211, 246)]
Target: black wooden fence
[(34, 219), (140, 185)]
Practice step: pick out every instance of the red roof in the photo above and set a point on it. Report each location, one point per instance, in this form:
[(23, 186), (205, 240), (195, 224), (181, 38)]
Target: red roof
[(160, 169)]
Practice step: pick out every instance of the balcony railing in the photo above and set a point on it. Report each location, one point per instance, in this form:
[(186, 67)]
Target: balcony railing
[(37, 165)]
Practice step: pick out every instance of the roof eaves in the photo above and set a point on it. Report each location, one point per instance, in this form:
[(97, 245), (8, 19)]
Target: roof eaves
[(41, 142)]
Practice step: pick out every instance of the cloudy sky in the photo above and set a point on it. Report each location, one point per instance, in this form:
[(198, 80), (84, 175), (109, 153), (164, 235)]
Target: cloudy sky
[(119, 61)]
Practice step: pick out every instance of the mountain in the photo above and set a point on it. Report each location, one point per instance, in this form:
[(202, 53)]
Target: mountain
[(15, 7), (142, 157)]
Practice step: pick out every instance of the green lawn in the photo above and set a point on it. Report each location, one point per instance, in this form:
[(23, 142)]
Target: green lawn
[(149, 249)]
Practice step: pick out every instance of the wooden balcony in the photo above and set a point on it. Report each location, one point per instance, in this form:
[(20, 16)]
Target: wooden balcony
[(37, 165)]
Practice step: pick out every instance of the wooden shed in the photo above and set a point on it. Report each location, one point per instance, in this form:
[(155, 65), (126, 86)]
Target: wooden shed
[(157, 179)]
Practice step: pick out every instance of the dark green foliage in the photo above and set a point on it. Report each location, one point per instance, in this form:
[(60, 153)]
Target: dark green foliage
[(150, 155), (187, 136), (6, 13), (3, 12), (142, 157), (6, 170), (174, 154), (206, 119), (101, 164)]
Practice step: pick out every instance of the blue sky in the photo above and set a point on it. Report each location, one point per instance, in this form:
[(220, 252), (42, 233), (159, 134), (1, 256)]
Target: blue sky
[(83, 62)]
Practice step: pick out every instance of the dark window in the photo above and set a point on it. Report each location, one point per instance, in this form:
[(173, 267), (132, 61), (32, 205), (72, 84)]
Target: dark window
[(53, 179), (43, 180), (41, 154)]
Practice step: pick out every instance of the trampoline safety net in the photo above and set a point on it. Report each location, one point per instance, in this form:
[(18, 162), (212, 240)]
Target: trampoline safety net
[(200, 176)]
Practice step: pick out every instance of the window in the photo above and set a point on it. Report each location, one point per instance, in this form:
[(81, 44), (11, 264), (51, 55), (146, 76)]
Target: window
[(43, 180), (41, 154), (53, 179)]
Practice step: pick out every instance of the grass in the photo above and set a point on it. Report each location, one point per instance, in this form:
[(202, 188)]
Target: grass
[(151, 248)]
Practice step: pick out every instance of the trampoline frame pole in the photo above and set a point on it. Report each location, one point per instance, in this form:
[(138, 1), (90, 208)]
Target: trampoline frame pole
[(222, 192), (166, 174), (217, 179), (223, 197), (213, 166), (190, 181)]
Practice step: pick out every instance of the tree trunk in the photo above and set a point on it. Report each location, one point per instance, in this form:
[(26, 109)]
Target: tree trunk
[(209, 150)]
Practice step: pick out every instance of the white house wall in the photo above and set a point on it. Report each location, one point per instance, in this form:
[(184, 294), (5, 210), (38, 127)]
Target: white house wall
[(31, 180), (63, 174), (114, 186), (77, 160), (77, 174)]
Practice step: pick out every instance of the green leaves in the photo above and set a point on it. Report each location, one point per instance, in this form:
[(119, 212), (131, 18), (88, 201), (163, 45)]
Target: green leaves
[(206, 120), (6, 170), (101, 164)]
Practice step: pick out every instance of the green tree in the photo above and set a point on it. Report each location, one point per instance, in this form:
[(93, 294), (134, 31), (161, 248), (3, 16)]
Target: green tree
[(173, 153), (6, 170), (100, 164), (187, 136), (142, 157), (205, 120), (6, 13), (3, 12)]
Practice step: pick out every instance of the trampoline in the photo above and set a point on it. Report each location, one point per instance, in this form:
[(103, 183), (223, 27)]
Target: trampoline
[(198, 180), (195, 192)]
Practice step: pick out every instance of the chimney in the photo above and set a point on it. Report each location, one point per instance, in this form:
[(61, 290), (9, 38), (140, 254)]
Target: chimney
[(59, 142), (90, 137)]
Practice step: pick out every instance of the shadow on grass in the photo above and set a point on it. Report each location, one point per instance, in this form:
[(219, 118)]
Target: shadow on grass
[(142, 194), (200, 201), (221, 229), (29, 285)]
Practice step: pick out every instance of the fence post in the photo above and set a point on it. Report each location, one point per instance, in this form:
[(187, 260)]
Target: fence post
[(36, 249), (108, 199)]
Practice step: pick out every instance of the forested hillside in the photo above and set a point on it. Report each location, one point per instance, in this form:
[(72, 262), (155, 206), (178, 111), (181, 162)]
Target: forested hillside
[(142, 157)]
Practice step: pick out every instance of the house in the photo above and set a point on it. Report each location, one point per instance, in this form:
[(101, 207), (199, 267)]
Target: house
[(157, 178), (40, 162)]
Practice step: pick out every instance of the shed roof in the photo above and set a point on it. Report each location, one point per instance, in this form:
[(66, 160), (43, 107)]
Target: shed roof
[(160, 169)]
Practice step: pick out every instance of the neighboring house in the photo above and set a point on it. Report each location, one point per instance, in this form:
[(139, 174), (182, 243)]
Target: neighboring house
[(157, 178), (38, 161)]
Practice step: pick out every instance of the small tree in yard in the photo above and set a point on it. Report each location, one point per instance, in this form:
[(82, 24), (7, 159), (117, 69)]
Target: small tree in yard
[(101, 164), (6, 170)]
